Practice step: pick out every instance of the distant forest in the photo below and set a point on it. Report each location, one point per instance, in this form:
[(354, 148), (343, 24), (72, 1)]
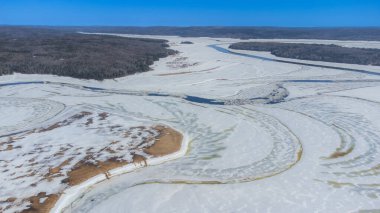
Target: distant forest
[(315, 52), (63, 52), (339, 33)]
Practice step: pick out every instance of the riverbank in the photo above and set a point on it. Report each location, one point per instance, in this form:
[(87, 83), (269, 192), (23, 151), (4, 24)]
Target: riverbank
[(166, 144), (170, 145)]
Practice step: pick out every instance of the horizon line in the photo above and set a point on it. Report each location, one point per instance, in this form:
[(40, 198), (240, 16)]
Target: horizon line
[(186, 26)]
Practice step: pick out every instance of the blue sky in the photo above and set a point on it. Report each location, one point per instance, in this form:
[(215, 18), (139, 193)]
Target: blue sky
[(295, 13)]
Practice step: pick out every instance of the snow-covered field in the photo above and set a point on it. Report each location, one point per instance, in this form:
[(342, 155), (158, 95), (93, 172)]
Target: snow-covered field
[(263, 136)]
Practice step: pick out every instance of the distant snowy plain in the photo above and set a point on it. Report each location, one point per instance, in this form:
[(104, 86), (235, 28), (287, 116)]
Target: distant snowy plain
[(284, 138)]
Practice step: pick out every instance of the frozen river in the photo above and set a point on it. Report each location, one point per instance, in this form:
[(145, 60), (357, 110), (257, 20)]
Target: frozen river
[(265, 134)]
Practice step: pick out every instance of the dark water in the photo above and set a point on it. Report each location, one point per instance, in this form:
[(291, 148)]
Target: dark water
[(21, 83), (224, 50), (158, 94), (200, 100), (331, 81), (93, 88), (194, 99), (311, 81)]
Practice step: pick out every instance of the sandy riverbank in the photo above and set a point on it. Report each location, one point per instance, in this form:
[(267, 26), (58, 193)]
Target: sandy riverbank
[(83, 175)]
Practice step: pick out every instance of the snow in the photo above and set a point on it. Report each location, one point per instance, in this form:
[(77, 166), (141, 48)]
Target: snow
[(285, 141), (77, 134)]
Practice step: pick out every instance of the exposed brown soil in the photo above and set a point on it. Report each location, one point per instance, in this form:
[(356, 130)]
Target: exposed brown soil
[(8, 148), (338, 154), (84, 171), (41, 207), (65, 122), (168, 141), (56, 171), (7, 145)]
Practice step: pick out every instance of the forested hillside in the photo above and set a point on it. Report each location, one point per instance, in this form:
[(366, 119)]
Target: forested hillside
[(59, 52), (315, 52)]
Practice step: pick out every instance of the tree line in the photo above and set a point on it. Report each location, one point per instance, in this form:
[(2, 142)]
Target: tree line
[(31, 50), (315, 52)]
